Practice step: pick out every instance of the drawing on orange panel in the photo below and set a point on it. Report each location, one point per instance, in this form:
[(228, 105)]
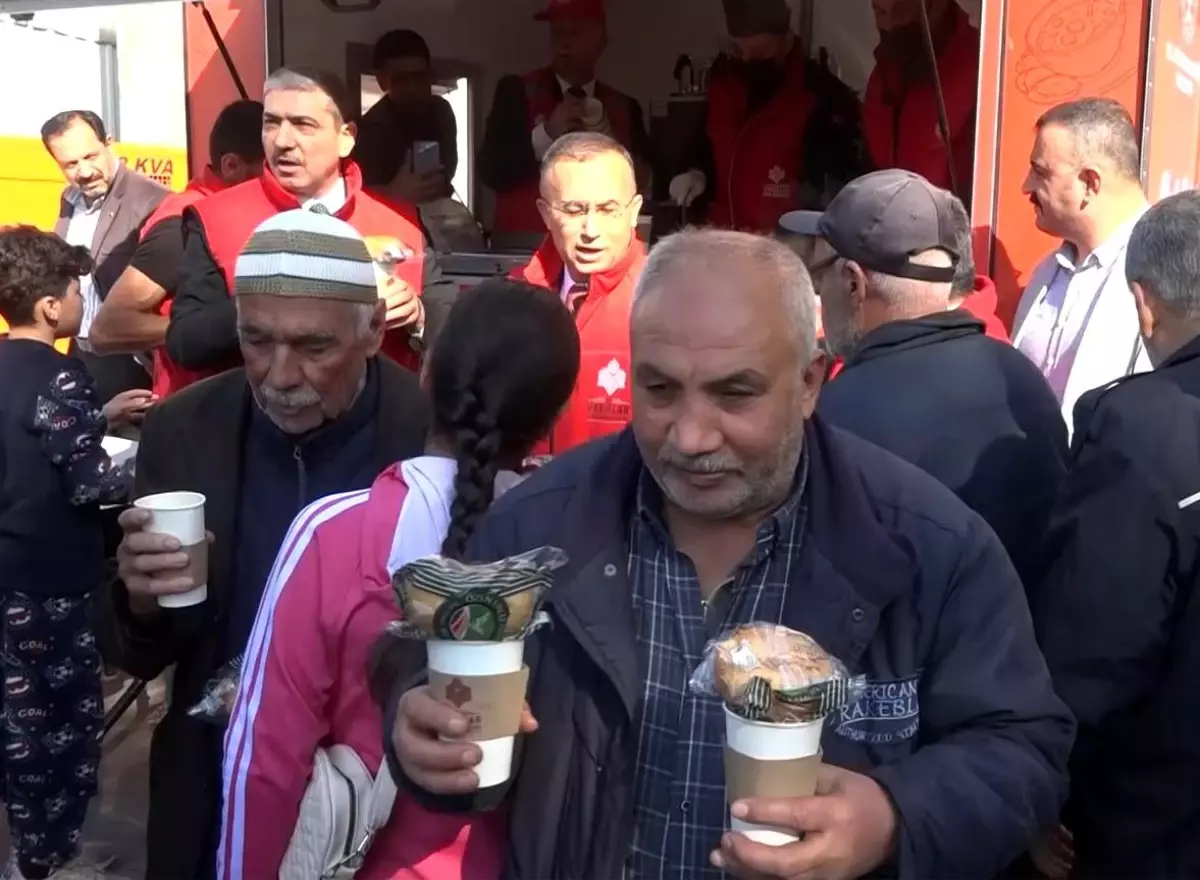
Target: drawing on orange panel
[(1071, 42)]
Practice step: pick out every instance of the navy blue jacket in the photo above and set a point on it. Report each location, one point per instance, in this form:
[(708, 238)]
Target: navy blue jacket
[(897, 578), (972, 411), (1119, 621), (54, 473)]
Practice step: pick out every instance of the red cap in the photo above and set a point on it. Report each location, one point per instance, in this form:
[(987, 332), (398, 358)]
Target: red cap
[(579, 10)]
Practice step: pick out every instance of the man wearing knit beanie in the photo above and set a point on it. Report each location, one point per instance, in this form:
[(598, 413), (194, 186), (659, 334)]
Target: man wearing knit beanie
[(782, 132), (315, 412)]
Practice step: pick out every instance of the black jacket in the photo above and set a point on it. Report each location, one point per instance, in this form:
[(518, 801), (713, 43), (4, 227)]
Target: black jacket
[(1119, 622), (193, 442), (971, 411), (897, 578)]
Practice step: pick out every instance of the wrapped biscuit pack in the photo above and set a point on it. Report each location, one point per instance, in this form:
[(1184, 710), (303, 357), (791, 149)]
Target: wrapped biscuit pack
[(767, 672), (474, 620), (778, 686)]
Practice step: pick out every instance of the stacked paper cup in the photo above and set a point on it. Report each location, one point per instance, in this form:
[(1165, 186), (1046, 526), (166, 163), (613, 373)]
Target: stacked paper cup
[(486, 681), (764, 759)]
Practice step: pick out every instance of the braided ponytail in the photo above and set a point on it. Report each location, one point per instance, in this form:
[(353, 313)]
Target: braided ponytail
[(499, 372), (476, 441)]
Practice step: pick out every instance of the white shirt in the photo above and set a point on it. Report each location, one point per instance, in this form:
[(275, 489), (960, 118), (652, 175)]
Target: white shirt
[(1060, 307), (333, 200), (541, 139), (81, 231)]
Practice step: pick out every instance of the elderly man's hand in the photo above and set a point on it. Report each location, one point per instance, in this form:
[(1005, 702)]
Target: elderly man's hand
[(848, 828), (150, 564), (425, 742), (404, 307)]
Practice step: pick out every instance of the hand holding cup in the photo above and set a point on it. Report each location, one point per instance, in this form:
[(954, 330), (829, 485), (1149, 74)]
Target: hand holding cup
[(427, 741), (157, 560)]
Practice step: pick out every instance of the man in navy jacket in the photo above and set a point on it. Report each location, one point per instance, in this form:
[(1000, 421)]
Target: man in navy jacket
[(1118, 614), (921, 379), (727, 502)]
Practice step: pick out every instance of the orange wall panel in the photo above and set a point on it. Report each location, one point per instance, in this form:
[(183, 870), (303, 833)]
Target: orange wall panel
[(1053, 51), (242, 25)]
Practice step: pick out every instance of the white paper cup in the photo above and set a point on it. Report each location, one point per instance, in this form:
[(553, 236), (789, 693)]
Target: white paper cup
[(180, 515), (482, 658), (766, 741)]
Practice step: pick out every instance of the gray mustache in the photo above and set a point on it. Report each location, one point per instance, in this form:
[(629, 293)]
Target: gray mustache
[(705, 464), (301, 397)]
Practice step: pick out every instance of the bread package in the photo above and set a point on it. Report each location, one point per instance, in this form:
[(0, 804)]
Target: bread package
[(768, 672), (449, 600)]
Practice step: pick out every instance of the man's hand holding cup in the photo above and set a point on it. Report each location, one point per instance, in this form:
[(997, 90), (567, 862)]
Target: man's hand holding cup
[(427, 740), (163, 556), (847, 829)]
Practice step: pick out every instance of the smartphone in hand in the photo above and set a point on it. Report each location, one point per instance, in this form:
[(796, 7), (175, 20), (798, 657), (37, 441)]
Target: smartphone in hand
[(426, 157)]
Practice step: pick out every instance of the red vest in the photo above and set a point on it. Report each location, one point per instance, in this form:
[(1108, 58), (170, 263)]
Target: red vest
[(230, 217), (169, 376), (601, 402), (757, 156), (516, 208), (900, 124)]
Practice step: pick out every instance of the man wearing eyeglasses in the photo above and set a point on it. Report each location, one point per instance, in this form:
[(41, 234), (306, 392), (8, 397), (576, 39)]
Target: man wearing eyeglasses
[(592, 259)]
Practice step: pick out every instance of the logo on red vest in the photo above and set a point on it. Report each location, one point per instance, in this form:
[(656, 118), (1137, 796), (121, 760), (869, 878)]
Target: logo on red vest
[(611, 378), (777, 186)]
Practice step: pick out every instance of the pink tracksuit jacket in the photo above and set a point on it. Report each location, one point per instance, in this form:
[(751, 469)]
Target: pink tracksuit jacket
[(304, 683)]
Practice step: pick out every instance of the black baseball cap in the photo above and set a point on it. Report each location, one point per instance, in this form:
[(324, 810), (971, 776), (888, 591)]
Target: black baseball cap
[(881, 220)]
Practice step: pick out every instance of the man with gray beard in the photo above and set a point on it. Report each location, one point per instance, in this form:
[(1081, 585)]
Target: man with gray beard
[(314, 412), (728, 502)]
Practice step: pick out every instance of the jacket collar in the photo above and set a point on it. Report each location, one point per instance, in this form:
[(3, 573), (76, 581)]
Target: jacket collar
[(207, 182), (1187, 353), (862, 567), (898, 336), (284, 200), (546, 267)]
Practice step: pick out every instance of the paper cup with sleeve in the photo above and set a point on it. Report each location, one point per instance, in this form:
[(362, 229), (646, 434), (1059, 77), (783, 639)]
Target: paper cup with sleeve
[(181, 515), (778, 687), (474, 620)]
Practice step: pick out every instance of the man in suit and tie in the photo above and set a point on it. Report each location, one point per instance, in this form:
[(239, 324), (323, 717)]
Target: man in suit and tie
[(103, 209)]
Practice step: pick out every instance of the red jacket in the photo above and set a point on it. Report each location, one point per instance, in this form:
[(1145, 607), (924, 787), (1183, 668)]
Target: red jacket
[(230, 217), (982, 304), (516, 208), (900, 123), (169, 377), (601, 401), (757, 156)]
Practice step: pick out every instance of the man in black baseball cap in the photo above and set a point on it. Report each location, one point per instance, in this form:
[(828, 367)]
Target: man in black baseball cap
[(920, 377)]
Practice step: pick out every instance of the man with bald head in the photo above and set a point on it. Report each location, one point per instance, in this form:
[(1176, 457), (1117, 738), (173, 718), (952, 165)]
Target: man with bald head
[(726, 502), (591, 259), (920, 378), (315, 411)]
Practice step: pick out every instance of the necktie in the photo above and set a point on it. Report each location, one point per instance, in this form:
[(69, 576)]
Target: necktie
[(318, 208), (577, 93), (575, 296)]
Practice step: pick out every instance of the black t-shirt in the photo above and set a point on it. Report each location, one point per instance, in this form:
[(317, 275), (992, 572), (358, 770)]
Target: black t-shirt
[(159, 256)]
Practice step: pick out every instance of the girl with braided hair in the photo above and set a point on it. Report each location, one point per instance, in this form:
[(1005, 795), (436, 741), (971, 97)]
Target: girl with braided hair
[(499, 372)]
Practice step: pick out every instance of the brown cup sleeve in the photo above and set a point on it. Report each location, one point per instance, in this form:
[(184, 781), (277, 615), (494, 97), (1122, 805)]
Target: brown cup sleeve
[(197, 567), (492, 703), (747, 777)]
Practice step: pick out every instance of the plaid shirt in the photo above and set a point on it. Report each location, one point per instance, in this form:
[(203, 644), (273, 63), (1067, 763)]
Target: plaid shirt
[(680, 782)]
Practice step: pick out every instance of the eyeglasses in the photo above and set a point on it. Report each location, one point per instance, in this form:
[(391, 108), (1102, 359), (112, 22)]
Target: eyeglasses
[(577, 212)]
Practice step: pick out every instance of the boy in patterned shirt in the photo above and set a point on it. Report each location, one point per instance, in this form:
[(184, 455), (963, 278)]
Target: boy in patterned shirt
[(54, 476)]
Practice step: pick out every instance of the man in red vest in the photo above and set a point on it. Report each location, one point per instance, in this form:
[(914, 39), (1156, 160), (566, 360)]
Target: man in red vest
[(591, 259), (781, 132), (133, 319), (530, 112), (900, 111), (307, 139)]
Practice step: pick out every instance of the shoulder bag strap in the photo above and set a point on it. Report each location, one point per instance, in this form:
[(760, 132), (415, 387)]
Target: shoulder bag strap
[(379, 809)]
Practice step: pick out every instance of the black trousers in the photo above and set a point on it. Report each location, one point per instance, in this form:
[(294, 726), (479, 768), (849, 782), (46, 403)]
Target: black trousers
[(53, 722), (112, 373)]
